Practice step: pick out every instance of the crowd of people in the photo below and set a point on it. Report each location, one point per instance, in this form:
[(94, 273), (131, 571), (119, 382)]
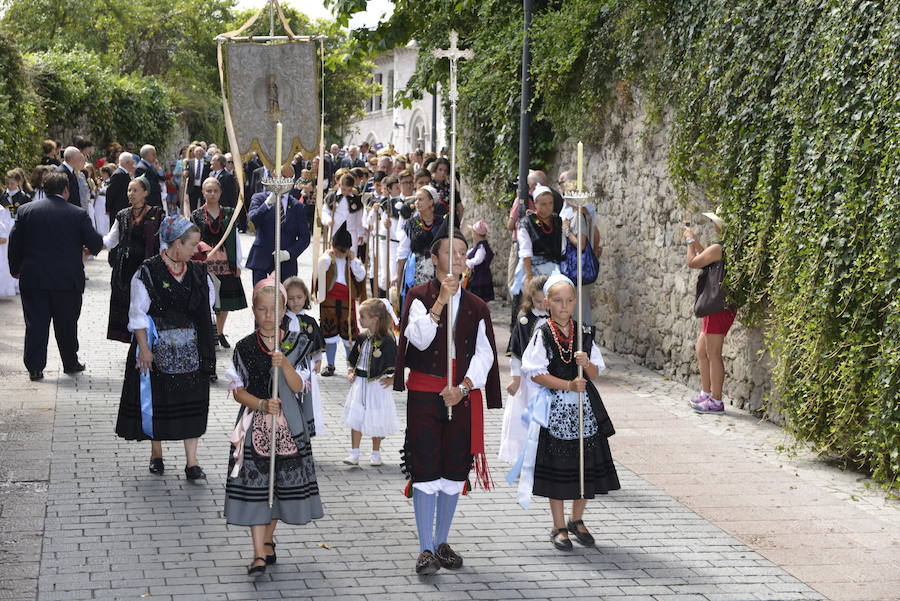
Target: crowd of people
[(383, 289)]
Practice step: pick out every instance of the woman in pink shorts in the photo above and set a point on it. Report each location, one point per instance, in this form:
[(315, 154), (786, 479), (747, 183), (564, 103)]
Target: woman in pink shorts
[(715, 327)]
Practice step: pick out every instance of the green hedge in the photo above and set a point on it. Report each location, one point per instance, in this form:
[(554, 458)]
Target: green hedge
[(786, 113), (21, 119), (77, 87)]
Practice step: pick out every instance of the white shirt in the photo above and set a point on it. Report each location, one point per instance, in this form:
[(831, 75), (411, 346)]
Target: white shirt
[(340, 214), (515, 364), (535, 361), (477, 258), (356, 268), (421, 330)]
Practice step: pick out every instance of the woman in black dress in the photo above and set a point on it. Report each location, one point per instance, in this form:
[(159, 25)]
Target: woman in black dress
[(165, 395), (131, 240), (212, 219)]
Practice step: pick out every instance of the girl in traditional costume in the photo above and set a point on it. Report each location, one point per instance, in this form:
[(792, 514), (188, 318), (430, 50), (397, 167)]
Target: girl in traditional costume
[(370, 409), (298, 319), (132, 240), (212, 219), (478, 263), (541, 240), (532, 315), (414, 264), (549, 461), (165, 395), (296, 498)]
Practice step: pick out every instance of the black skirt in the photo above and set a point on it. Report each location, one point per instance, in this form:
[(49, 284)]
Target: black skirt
[(180, 404), (556, 473), (231, 293)]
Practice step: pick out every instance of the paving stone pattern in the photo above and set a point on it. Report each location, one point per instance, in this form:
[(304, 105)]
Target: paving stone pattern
[(98, 525)]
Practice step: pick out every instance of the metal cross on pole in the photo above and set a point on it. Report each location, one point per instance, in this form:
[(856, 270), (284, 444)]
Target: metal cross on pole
[(454, 54)]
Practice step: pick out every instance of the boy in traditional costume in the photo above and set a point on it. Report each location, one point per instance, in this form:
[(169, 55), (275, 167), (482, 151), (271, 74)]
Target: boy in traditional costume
[(340, 282), (440, 450)]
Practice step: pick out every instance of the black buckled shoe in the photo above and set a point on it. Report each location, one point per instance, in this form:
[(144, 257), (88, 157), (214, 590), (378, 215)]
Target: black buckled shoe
[(449, 558), (427, 564), (270, 559), (157, 466), (328, 371), (224, 341), (195, 472), (585, 537), (34, 376), (256, 571), (561, 543)]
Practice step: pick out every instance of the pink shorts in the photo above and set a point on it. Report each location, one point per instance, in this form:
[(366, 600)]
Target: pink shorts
[(719, 323)]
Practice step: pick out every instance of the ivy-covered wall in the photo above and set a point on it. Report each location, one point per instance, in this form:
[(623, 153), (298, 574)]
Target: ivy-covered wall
[(784, 113)]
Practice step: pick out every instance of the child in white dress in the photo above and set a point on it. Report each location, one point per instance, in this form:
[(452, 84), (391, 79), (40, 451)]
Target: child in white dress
[(370, 408), (532, 316)]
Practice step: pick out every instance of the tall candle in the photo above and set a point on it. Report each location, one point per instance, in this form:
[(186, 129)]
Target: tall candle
[(277, 169), (580, 180)]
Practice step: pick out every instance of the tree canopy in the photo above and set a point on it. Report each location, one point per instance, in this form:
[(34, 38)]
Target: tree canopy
[(165, 48)]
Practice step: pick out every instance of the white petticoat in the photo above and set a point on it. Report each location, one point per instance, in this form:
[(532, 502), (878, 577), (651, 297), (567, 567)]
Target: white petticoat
[(370, 409)]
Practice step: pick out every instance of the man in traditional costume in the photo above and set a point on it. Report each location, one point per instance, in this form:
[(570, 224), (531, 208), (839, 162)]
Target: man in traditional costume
[(440, 450), (337, 298)]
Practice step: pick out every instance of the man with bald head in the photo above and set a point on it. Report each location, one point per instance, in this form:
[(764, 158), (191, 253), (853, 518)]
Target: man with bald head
[(73, 163), (147, 167)]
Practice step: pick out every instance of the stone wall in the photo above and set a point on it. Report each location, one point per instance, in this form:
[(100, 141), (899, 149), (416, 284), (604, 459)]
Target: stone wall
[(643, 298)]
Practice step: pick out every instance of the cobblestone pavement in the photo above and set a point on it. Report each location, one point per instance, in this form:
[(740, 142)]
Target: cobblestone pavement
[(708, 510)]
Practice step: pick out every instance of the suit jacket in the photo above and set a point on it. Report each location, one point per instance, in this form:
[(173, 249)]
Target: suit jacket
[(294, 235), (74, 188), (191, 167), (328, 168), (256, 178), (117, 192), (349, 163), (46, 242), (229, 189), (154, 198)]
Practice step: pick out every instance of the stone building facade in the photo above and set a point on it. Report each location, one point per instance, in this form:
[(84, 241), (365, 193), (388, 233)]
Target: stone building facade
[(405, 128)]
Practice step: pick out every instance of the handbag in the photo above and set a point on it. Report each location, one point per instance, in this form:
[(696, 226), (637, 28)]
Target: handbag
[(589, 264), (710, 293)]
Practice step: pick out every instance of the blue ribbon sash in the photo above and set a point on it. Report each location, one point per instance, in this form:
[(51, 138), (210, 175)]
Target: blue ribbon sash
[(146, 389), (536, 416)]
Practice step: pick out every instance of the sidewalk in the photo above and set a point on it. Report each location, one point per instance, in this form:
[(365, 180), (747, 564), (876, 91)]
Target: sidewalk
[(708, 510)]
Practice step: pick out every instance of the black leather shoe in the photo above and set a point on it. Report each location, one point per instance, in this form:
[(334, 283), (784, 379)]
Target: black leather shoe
[(584, 538), (270, 559), (34, 376), (157, 466), (427, 563), (213, 378), (74, 369), (224, 341), (195, 472), (449, 558), (561, 543), (328, 371), (254, 570)]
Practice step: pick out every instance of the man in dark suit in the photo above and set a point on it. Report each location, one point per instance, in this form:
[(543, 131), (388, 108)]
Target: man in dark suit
[(294, 233), (352, 159), (255, 185), (226, 181), (147, 167), (45, 254), (73, 163), (117, 191), (195, 173)]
